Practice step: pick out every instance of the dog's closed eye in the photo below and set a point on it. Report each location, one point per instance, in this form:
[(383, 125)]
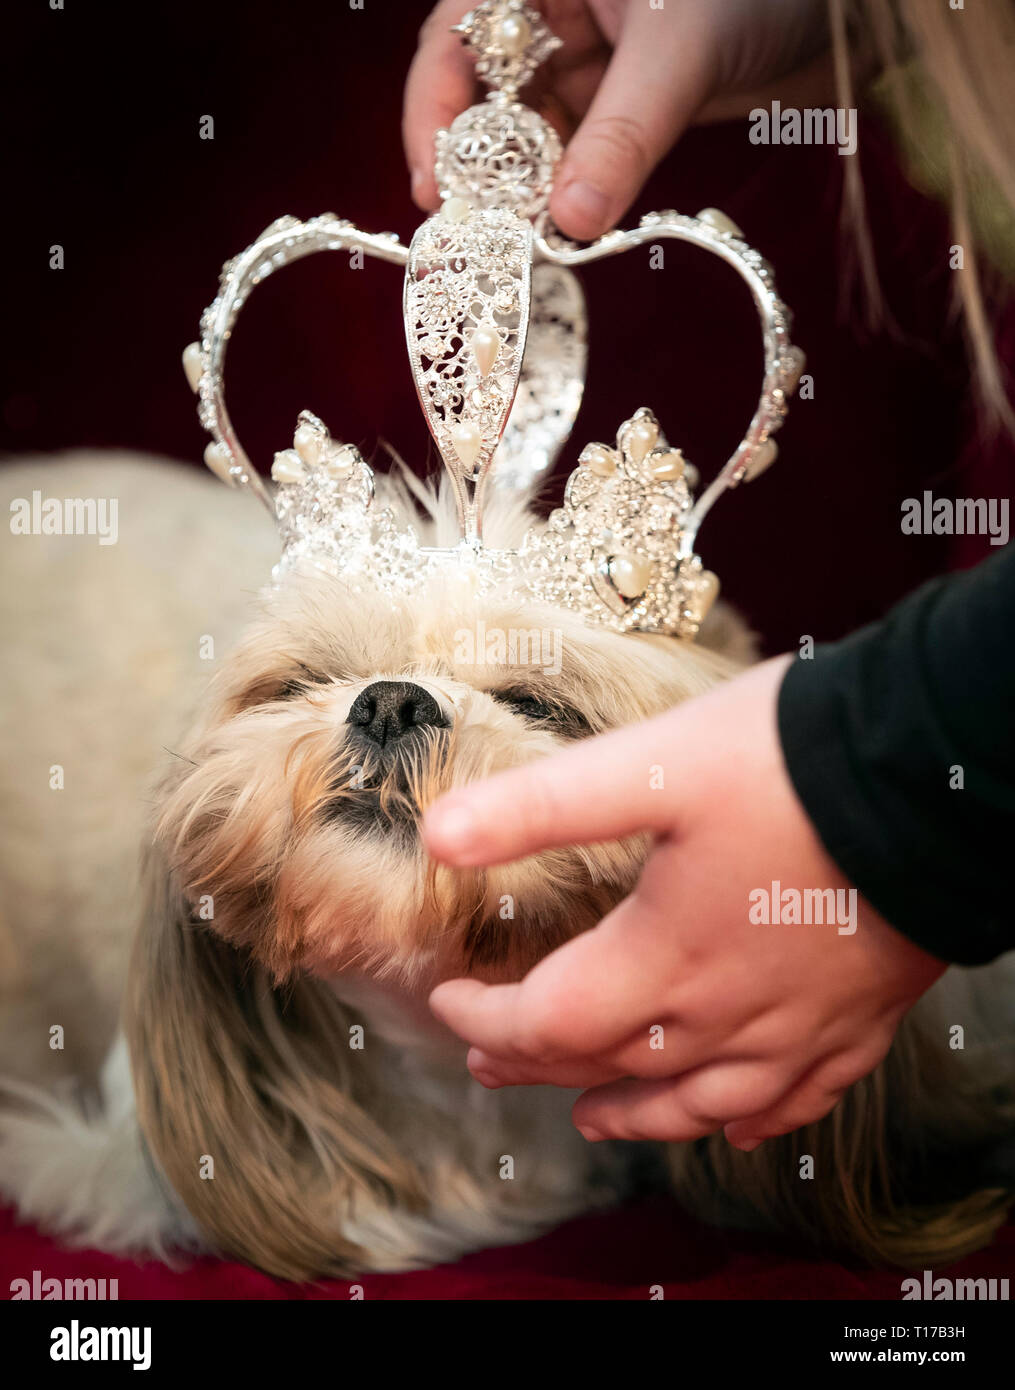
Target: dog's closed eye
[(564, 718), (268, 690), (296, 685)]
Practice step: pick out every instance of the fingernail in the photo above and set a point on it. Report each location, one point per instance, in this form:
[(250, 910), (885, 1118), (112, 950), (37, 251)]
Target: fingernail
[(584, 203), (418, 179), (746, 1146), (592, 1135), (489, 1079)]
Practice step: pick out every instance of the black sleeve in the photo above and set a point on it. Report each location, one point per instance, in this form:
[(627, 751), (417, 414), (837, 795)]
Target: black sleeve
[(900, 742)]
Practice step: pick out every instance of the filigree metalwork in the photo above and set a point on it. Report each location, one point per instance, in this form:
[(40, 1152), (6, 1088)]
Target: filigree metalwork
[(482, 276), (608, 552), (466, 319), (498, 154), (286, 240)]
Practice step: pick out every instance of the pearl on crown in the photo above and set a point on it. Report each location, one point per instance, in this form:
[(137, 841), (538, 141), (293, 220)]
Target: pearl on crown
[(485, 345), (513, 34), (630, 574), (467, 438)]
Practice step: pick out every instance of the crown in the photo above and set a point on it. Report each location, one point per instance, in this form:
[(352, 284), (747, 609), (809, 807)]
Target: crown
[(496, 333)]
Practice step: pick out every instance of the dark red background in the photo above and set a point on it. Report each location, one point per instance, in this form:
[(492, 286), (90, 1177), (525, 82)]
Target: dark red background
[(104, 104), (102, 109)]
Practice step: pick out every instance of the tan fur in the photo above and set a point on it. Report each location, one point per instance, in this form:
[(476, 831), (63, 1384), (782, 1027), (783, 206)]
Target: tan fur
[(298, 898), (276, 1004), (226, 1065), (241, 810), (877, 1160)]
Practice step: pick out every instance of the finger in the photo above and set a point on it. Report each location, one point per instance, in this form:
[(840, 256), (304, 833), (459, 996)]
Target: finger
[(577, 1073), (561, 1011), (574, 1074), (639, 1110), (802, 1107), (564, 96), (440, 85), (681, 1108), (565, 84), (643, 1034), (810, 1099), (661, 73), (600, 789)]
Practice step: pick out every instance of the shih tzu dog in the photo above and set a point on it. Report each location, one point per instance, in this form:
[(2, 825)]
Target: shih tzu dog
[(281, 1092), (289, 1099)]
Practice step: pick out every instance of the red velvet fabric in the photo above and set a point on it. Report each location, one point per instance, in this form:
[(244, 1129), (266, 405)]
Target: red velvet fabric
[(619, 1254), (306, 120)]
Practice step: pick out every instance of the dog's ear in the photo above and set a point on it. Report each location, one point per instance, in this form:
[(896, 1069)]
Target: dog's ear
[(249, 1097)]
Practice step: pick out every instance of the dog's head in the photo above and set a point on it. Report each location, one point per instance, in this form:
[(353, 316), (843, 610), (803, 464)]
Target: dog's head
[(287, 851), (292, 820)]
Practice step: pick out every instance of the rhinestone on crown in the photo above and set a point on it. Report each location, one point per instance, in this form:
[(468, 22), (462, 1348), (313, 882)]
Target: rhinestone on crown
[(610, 546), (495, 329)]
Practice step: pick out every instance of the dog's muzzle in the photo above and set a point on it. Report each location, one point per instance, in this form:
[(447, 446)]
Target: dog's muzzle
[(388, 711), (386, 726)]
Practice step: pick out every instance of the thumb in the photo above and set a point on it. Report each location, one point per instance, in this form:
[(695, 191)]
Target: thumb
[(660, 75), (601, 789)]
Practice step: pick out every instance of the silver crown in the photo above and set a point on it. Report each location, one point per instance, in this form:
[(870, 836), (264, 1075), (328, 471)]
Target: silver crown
[(495, 328)]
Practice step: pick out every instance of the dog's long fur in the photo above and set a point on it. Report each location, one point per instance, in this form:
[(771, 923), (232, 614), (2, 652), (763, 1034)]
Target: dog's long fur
[(296, 1103)]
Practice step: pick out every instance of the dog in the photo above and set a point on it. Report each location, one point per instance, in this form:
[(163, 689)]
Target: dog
[(279, 1091)]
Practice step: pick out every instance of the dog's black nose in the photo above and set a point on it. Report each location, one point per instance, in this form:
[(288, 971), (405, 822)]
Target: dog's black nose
[(387, 710)]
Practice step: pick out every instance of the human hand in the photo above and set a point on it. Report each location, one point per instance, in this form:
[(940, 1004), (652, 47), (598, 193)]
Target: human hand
[(627, 82), (764, 1026)]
